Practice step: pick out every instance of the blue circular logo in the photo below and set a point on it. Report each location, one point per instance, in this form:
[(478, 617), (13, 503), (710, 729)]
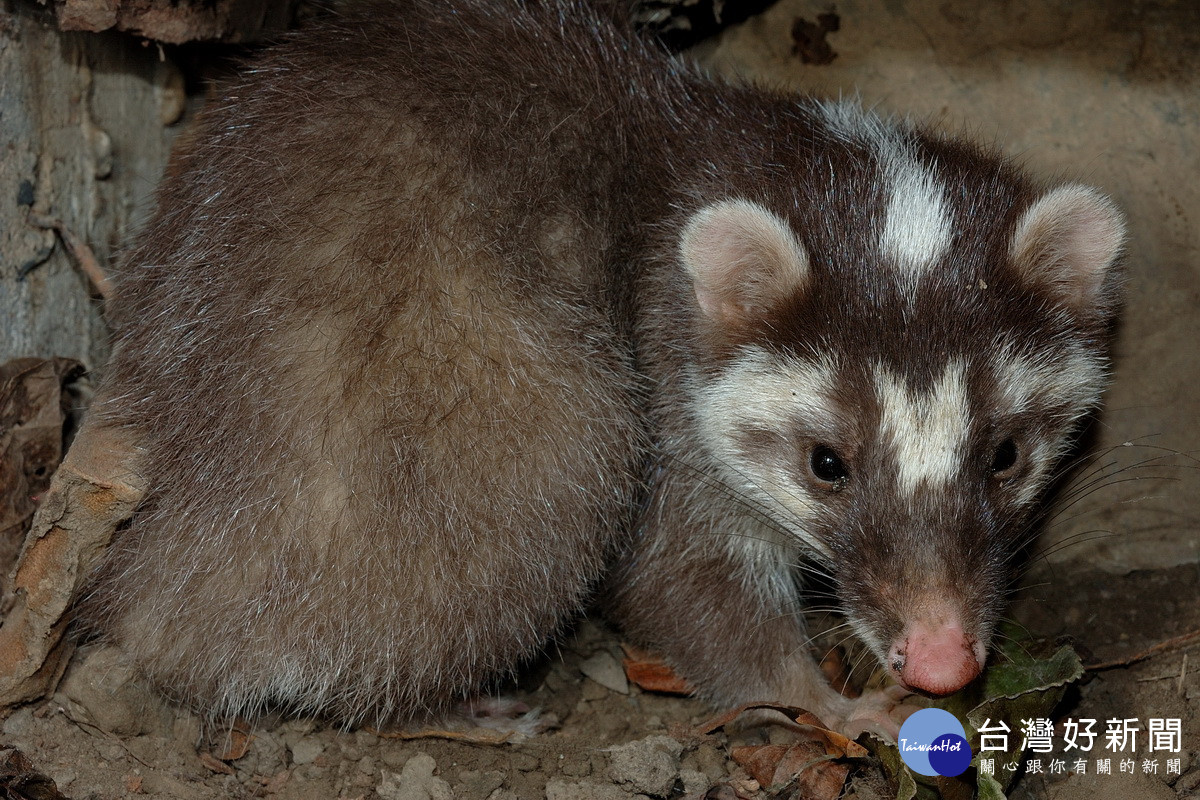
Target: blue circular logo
[(933, 742)]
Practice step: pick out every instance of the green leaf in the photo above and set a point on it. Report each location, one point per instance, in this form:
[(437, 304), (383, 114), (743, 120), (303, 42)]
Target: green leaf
[(1026, 680)]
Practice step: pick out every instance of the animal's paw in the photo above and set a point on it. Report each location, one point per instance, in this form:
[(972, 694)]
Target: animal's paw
[(505, 715), (881, 712)]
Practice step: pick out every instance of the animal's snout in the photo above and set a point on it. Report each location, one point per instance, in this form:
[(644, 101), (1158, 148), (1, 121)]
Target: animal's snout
[(935, 655)]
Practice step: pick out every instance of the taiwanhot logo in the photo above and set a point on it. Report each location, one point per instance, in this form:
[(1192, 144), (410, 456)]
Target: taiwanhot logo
[(933, 742)]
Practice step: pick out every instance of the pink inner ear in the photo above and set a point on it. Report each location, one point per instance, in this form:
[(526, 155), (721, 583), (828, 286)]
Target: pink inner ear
[(742, 259), (1067, 242)]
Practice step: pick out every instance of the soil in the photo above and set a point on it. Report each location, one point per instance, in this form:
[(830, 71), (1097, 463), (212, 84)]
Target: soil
[(103, 737)]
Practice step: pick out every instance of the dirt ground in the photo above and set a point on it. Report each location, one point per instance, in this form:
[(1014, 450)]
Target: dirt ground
[(1104, 92), (103, 737)]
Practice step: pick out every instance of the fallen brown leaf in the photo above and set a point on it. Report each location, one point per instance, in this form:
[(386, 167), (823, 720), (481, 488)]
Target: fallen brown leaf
[(214, 764), (807, 725), (33, 411), (233, 744), (837, 672), (804, 764), (93, 491), (20, 781), (650, 673)]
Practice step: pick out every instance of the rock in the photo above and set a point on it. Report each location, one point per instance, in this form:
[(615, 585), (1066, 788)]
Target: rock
[(606, 671), (1188, 782), (103, 683), (415, 782), (306, 751), (474, 785), (523, 762), (293, 730), (396, 757), (650, 765), (694, 782), (62, 776), (18, 724)]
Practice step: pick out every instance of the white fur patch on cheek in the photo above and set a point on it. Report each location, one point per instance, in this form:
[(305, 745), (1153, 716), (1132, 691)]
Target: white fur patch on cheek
[(1041, 456), (928, 432), (1071, 381), (763, 392)]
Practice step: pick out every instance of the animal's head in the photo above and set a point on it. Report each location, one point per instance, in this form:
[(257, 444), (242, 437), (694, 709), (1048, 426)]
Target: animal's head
[(897, 394)]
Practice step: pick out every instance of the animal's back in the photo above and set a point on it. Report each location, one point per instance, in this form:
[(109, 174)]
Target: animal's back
[(388, 421)]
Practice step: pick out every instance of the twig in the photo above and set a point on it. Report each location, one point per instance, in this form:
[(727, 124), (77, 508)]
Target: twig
[(474, 736), (1142, 656), (84, 726), (80, 251), (1183, 673)]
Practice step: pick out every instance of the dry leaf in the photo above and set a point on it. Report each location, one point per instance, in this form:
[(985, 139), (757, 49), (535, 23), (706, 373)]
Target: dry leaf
[(808, 727), (804, 764), (34, 408), (811, 763), (650, 673), (837, 672), (233, 744), (20, 781), (214, 764), (94, 490)]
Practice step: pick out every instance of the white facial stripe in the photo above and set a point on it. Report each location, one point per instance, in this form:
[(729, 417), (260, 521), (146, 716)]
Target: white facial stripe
[(849, 120), (928, 432), (916, 231), (1074, 380), (1040, 457), (917, 227), (765, 392)]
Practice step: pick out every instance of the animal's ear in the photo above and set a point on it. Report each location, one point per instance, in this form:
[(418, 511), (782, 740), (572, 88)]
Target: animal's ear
[(1067, 243), (742, 259)]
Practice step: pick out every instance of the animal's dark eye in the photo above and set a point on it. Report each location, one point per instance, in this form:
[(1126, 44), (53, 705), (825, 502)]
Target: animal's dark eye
[(827, 466), (1005, 457)]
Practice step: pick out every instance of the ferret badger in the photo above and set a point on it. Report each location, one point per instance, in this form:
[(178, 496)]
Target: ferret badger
[(454, 316)]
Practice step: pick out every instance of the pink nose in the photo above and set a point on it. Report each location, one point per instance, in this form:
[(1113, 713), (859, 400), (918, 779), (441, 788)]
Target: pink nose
[(936, 659)]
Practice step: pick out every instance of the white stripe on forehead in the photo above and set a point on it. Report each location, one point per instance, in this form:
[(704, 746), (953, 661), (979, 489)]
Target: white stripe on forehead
[(916, 228), (927, 431)]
